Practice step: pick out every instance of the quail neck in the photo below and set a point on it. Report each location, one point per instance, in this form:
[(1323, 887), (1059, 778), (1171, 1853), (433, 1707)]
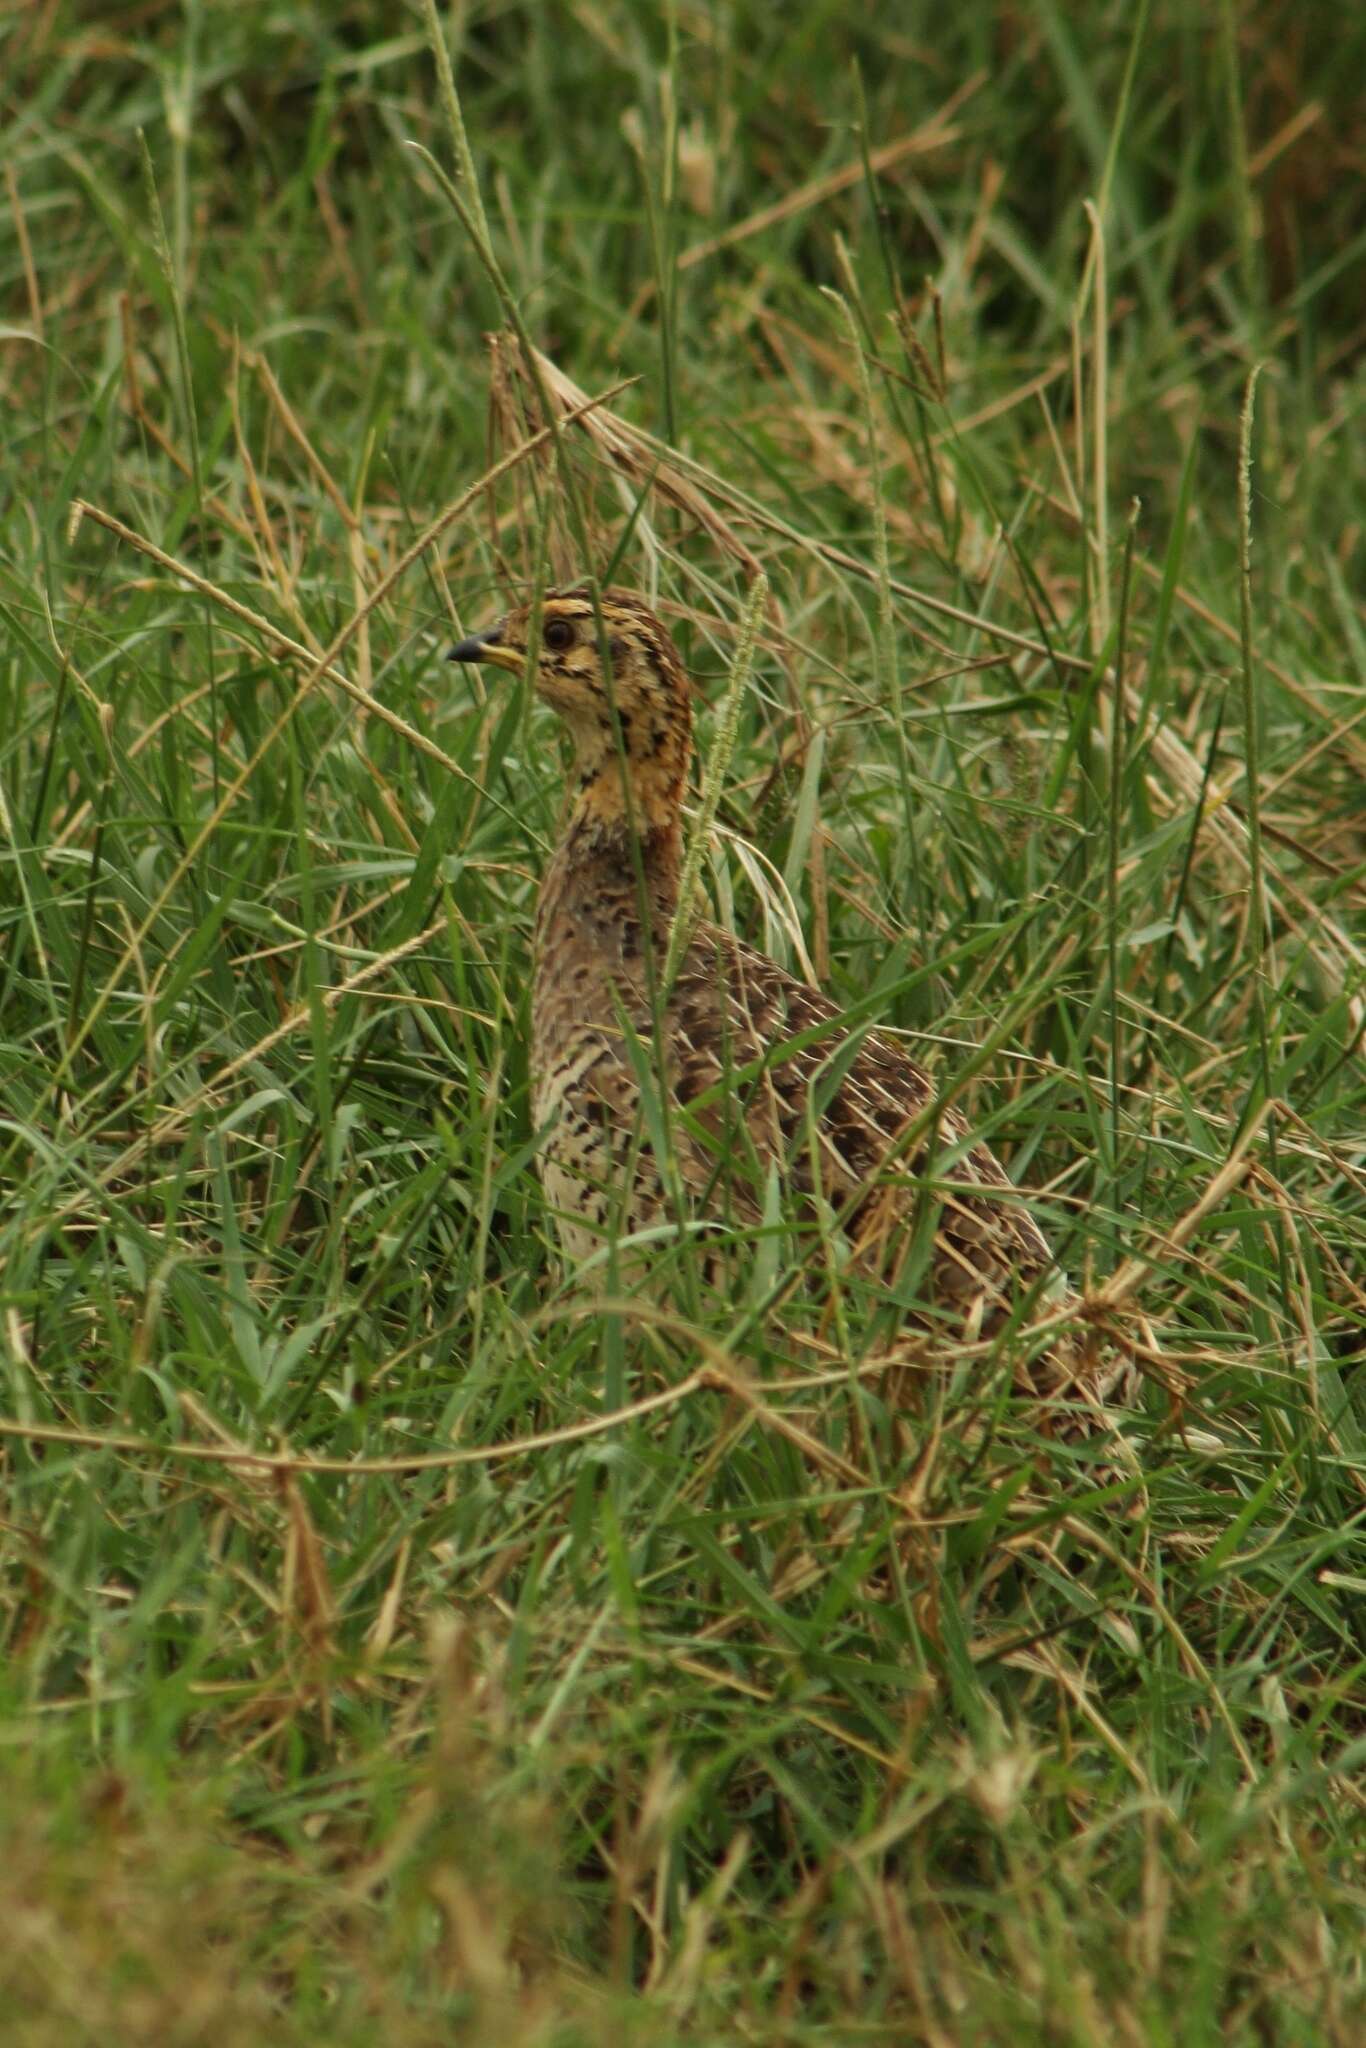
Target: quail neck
[(613, 675)]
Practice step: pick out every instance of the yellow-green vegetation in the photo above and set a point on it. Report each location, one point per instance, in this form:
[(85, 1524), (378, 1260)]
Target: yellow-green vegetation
[(574, 1677)]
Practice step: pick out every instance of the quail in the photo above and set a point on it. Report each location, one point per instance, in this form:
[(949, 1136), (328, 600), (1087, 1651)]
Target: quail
[(754, 1071)]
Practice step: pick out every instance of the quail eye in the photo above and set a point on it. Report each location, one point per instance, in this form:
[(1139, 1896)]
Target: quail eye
[(559, 634)]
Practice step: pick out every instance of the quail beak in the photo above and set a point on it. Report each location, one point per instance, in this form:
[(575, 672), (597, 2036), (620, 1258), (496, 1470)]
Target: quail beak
[(487, 647)]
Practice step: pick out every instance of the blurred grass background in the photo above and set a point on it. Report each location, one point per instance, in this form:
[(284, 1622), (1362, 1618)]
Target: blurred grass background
[(760, 1713)]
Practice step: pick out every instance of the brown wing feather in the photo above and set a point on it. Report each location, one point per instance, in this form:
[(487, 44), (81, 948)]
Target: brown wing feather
[(732, 1023)]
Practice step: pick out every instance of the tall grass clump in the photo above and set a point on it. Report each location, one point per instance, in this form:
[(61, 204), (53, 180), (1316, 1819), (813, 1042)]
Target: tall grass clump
[(397, 1644)]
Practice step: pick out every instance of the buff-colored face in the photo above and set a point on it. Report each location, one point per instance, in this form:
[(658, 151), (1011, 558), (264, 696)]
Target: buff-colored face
[(647, 686)]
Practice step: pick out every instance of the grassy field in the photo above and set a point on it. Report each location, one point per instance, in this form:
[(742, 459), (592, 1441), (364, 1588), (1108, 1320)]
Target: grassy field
[(394, 1648)]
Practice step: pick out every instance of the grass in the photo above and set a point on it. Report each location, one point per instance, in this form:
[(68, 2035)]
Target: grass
[(395, 1648)]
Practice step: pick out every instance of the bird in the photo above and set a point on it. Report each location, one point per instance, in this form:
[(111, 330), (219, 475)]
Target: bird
[(709, 1078)]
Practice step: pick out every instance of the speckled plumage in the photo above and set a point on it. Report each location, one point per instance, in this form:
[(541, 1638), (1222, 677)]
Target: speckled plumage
[(753, 1069)]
